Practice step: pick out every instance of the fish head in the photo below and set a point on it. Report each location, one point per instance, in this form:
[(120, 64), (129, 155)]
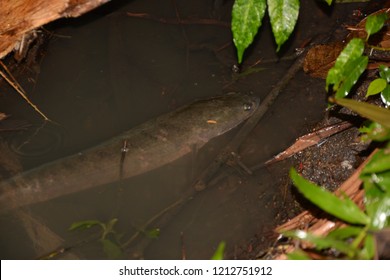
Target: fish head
[(221, 114)]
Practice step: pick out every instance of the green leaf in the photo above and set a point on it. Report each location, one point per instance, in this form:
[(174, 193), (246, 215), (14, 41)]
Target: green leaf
[(345, 232), (379, 209), (344, 209), (298, 255), (353, 70), (349, 58), (374, 23), (375, 131), (368, 251), (323, 242), (329, 2), (372, 112), (153, 233), (377, 205), (85, 224), (377, 202), (379, 162), (218, 254), (112, 250), (384, 72), (246, 20), (109, 227), (385, 96), (382, 180), (376, 86), (283, 16)]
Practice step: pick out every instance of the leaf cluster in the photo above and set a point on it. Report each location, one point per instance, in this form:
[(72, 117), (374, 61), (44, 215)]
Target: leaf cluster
[(247, 16), (356, 239)]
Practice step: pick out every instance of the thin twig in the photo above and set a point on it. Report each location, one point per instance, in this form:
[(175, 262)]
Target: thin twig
[(21, 91)]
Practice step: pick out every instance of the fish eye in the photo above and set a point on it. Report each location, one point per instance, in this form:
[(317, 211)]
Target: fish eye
[(248, 106)]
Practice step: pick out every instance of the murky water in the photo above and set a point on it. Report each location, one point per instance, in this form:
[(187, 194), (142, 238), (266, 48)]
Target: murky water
[(106, 73)]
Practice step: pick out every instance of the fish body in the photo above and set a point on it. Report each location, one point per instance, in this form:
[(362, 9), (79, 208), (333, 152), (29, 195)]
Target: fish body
[(143, 148)]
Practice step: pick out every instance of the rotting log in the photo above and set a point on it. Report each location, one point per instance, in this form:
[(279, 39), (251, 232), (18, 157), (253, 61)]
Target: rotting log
[(19, 18)]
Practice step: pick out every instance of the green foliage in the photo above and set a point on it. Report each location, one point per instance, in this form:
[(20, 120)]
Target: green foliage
[(246, 20), (384, 73), (381, 85), (283, 16), (219, 253), (152, 233), (374, 23), (353, 241), (372, 112), (247, 16), (380, 162), (375, 131), (85, 224), (322, 243), (111, 246), (344, 209), (376, 86), (298, 255), (350, 64), (112, 250)]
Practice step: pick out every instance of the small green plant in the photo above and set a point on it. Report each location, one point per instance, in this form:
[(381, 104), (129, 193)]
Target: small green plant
[(219, 252), (356, 240), (109, 238), (247, 16)]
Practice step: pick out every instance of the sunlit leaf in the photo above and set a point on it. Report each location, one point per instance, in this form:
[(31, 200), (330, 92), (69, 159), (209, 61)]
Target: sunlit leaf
[(379, 162), (385, 96), (375, 131), (345, 232), (85, 224), (369, 248), (246, 20), (344, 209), (377, 203), (283, 16), (112, 250), (348, 58), (298, 255), (352, 71), (382, 180), (329, 2), (219, 253), (379, 210), (372, 112), (323, 242), (376, 86), (384, 72), (374, 23)]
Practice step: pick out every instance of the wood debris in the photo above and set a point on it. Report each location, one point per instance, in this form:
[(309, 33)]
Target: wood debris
[(18, 18), (310, 139)]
